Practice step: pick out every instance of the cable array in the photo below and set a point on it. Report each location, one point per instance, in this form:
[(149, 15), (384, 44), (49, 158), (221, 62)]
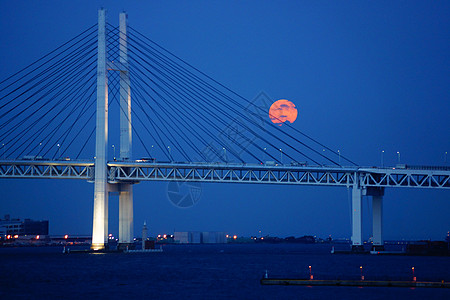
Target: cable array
[(46, 107), (188, 116), (179, 114)]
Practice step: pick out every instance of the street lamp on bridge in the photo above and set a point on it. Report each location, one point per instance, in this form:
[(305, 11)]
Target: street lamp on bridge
[(114, 151), (398, 154), (59, 150)]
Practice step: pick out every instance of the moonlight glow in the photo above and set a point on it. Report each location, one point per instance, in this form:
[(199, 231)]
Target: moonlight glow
[(281, 111)]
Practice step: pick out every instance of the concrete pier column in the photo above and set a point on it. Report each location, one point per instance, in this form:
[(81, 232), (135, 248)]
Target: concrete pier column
[(357, 218), (377, 217), (126, 216), (100, 222), (377, 230)]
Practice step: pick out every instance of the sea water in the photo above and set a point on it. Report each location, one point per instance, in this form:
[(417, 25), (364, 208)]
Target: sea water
[(225, 271)]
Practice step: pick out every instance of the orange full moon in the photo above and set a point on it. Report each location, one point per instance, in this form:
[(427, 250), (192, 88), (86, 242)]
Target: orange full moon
[(281, 111)]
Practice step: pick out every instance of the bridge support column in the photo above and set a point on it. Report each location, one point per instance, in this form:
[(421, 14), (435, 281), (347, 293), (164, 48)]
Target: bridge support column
[(357, 245), (126, 216), (100, 222), (377, 217)]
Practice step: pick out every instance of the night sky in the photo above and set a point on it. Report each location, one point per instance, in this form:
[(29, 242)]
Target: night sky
[(365, 76)]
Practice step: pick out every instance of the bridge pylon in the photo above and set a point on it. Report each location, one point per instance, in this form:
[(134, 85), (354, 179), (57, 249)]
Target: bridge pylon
[(101, 186), (100, 222), (125, 189)]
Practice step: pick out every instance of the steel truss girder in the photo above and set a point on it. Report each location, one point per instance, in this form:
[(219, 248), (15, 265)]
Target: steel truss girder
[(405, 178), (325, 176), (232, 173), (47, 169)]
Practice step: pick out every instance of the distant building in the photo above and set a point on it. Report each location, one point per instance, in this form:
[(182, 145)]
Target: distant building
[(196, 237), (214, 237), (181, 237), (19, 227)]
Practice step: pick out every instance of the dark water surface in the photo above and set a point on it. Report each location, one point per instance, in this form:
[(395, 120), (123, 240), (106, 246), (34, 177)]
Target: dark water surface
[(228, 271)]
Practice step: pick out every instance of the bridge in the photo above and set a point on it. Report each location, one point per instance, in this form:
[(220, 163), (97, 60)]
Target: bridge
[(125, 171), (244, 140)]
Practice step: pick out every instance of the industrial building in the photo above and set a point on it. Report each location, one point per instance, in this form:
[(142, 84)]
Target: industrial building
[(197, 237), (9, 226)]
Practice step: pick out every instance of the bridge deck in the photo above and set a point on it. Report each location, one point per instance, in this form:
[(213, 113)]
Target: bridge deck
[(134, 171)]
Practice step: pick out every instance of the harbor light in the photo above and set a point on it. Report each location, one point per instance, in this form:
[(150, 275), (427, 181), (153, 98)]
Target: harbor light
[(414, 277), (37, 237), (362, 276), (66, 236), (310, 275)]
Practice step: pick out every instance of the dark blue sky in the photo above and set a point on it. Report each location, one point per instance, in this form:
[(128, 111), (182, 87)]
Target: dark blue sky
[(365, 77)]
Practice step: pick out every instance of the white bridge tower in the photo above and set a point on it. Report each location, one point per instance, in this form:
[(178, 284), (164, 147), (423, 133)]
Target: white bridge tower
[(101, 186)]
